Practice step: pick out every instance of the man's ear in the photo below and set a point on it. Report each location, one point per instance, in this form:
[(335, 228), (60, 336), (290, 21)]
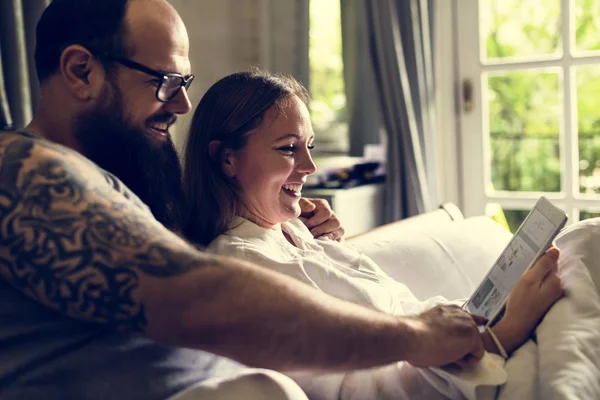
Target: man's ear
[(227, 158), (82, 73)]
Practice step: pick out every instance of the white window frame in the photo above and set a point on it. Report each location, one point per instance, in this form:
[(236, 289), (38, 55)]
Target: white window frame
[(447, 152), (473, 146)]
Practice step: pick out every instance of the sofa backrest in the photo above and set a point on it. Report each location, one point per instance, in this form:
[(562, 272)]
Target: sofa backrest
[(449, 258)]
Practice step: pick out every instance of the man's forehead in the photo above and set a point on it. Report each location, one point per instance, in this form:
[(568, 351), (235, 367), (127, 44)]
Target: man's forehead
[(157, 36)]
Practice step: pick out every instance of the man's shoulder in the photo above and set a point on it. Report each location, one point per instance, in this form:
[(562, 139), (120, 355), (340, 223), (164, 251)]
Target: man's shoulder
[(19, 134), (29, 154), (18, 148), (38, 146)]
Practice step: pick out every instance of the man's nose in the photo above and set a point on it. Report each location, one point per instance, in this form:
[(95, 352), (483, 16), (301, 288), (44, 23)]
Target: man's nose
[(180, 104)]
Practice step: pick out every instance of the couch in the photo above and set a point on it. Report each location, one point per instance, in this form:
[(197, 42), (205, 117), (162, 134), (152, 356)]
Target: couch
[(437, 253)]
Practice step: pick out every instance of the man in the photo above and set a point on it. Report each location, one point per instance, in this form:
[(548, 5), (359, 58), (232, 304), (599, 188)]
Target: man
[(101, 300)]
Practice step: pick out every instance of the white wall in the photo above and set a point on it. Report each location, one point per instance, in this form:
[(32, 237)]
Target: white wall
[(228, 36), (223, 39)]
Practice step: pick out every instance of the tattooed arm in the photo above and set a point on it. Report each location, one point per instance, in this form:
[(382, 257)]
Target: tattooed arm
[(72, 242)]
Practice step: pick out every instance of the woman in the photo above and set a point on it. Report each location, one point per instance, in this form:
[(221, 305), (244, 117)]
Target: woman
[(247, 158)]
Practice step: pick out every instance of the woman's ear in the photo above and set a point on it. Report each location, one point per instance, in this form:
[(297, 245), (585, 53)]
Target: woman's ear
[(226, 157), (229, 162)]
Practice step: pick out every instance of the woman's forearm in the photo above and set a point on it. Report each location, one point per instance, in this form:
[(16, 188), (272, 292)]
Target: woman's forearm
[(510, 338)]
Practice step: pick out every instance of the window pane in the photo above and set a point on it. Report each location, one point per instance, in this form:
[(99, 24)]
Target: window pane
[(524, 121), (587, 29), (520, 28), (515, 218), (328, 97), (588, 126), (588, 214)]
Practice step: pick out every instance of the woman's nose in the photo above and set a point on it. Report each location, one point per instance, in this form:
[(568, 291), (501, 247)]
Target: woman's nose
[(306, 165)]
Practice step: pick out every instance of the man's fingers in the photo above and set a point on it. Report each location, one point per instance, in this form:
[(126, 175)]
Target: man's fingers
[(479, 320), (474, 356), (469, 360)]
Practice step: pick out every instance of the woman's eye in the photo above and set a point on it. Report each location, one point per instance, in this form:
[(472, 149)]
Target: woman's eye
[(310, 146), (155, 82), (287, 149)]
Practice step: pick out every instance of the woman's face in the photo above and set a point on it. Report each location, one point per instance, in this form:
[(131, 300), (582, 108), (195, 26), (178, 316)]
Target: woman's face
[(273, 166)]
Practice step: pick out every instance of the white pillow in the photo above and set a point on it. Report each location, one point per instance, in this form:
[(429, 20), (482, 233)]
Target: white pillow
[(449, 259)]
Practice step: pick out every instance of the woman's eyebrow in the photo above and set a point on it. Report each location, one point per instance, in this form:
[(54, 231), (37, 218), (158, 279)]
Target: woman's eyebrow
[(294, 135), (289, 134)]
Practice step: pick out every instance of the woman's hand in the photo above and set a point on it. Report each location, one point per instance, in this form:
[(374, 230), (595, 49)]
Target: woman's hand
[(533, 295), (318, 216)]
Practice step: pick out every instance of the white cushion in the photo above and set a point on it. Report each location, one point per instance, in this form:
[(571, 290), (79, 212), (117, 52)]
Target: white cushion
[(447, 259)]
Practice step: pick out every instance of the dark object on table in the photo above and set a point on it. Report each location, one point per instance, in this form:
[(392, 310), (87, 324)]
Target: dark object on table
[(344, 178)]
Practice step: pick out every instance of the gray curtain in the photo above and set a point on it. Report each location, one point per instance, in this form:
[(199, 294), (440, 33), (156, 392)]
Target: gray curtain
[(19, 88), (400, 43), (362, 104), (289, 38)]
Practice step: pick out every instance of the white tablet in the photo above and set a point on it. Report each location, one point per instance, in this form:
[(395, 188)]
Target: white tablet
[(532, 239)]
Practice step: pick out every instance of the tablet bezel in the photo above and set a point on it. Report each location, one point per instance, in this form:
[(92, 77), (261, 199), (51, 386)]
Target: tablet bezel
[(557, 217)]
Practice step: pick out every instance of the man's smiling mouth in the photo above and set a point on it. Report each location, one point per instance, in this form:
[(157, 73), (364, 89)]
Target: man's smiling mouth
[(161, 127)]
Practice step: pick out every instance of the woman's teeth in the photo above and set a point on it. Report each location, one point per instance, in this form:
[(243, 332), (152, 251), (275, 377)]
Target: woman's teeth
[(293, 188)]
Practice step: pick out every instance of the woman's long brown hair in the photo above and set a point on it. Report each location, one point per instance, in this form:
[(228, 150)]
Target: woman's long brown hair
[(229, 110)]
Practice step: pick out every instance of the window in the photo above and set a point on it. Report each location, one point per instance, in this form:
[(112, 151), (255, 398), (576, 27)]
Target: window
[(328, 99), (530, 115)]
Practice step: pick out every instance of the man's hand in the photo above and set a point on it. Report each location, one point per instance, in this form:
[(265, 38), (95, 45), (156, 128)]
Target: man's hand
[(318, 216), (446, 334)]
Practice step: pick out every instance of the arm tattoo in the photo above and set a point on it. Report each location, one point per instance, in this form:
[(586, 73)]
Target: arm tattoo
[(68, 243)]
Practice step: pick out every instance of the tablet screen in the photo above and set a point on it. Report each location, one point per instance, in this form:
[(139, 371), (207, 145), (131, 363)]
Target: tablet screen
[(512, 263)]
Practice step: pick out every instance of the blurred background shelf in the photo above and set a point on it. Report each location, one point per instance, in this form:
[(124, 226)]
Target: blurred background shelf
[(359, 208)]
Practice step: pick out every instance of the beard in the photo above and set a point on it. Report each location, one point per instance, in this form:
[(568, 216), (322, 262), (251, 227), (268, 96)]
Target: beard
[(151, 170)]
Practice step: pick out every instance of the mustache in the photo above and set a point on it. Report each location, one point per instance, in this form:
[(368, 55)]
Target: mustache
[(168, 118)]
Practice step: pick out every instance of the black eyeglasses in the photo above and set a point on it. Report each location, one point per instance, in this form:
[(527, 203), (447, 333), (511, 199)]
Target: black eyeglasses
[(169, 83)]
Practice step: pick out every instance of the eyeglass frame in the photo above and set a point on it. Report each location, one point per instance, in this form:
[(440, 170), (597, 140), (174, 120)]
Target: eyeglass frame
[(186, 81)]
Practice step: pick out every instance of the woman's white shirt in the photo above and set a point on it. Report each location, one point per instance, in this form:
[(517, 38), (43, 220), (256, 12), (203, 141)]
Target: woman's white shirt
[(326, 265)]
